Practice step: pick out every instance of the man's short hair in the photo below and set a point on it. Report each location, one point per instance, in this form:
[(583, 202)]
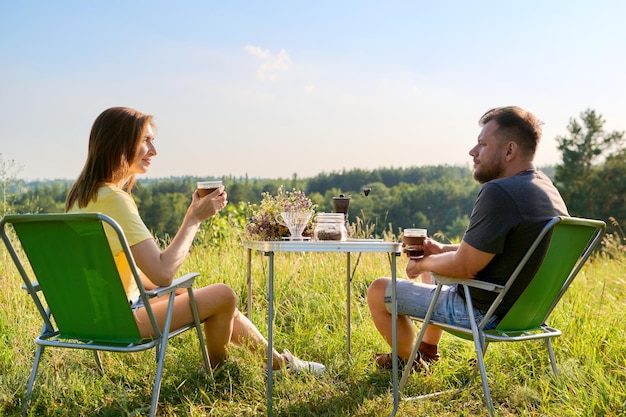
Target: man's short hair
[(517, 125)]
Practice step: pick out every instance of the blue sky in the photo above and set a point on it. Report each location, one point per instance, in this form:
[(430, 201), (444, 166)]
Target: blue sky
[(277, 88)]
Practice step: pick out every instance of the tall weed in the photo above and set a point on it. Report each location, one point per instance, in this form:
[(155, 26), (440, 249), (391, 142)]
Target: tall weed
[(310, 320)]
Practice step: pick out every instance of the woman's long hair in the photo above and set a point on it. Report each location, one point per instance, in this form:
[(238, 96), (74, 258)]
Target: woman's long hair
[(113, 143)]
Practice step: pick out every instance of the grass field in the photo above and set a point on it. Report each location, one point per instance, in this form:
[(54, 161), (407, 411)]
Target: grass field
[(310, 321)]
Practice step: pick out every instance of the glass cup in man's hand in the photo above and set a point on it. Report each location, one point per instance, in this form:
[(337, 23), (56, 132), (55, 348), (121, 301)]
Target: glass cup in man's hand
[(412, 238), (207, 187)]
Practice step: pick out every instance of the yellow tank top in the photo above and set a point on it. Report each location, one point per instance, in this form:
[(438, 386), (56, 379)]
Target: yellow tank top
[(120, 206)]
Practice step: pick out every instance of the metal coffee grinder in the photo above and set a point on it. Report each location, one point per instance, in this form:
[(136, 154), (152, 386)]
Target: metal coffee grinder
[(341, 204)]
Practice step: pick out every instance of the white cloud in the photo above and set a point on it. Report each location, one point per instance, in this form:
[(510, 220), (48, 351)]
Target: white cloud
[(271, 65), (309, 89), (257, 51)]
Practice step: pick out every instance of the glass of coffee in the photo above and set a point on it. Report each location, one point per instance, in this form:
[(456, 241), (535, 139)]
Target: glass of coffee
[(207, 187), (411, 238)]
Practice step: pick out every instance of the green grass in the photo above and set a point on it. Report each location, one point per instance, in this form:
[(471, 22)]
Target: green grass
[(310, 321)]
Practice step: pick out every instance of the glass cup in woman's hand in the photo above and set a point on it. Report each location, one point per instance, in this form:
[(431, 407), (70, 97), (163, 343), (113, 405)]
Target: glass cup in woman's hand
[(207, 187), (411, 239)]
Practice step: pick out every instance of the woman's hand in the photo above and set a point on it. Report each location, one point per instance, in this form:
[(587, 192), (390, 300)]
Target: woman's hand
[(161, 266), (205, 207)]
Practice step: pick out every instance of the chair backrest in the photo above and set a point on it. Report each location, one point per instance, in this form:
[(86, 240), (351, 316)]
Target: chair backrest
[(572, 240), (73, 265)]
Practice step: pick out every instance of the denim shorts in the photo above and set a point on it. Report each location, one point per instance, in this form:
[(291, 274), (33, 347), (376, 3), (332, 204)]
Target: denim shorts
[(413, 299), (135, 304)]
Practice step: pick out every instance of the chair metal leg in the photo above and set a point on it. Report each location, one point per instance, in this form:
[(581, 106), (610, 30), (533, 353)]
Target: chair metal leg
[(198, 325), (96, 355), (160, 348), (480, 348), (31, 381), (407, 368), (476, 368), (552, 357), (485, 382), (157, 380), (420, 336)]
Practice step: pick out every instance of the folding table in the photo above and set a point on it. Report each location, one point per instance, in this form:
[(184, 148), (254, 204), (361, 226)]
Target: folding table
[(269, 248)]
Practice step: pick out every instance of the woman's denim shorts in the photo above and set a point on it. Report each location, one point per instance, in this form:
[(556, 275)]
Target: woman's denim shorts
[(135, 304)]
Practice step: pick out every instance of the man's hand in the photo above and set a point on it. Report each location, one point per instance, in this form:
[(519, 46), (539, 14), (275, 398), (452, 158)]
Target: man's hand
[(414, 268), (458, 261)]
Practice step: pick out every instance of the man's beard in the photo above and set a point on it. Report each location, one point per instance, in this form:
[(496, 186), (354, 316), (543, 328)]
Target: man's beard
[(485, 173)]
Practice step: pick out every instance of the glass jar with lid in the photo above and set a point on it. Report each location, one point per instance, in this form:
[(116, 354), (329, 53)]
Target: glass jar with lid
[(330, 226)]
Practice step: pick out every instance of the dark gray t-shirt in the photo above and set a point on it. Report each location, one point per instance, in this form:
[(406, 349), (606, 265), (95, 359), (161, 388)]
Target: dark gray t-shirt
[(507, 216)]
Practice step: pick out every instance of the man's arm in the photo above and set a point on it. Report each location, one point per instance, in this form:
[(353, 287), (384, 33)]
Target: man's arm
[(465, 262)]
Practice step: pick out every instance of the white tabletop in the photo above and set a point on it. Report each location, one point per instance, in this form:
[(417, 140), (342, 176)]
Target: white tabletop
[(351, 245)]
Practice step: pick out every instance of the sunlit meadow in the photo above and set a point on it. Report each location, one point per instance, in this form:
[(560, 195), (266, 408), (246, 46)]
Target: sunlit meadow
[(310, 320)]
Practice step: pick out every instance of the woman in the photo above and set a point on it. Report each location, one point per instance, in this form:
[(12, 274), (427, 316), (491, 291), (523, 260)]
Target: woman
[(121, 145)]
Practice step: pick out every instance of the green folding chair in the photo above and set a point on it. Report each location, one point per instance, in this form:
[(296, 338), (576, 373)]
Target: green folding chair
[(571, 242), (77, 289)]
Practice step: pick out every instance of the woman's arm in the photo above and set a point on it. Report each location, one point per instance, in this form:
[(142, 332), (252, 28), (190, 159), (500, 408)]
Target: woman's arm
[(161, 266)]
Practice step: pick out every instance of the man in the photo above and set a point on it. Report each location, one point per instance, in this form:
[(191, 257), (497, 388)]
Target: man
[(513, 205)]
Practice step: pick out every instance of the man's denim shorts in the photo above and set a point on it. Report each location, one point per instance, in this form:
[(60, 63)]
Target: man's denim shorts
[(414, 299)]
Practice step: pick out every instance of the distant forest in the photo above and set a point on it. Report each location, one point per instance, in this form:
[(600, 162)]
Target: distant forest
[(438, 198), (591, 178)]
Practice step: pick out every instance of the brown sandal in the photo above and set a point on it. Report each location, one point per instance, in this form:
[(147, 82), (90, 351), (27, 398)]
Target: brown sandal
[(429, 352), (385, 361)]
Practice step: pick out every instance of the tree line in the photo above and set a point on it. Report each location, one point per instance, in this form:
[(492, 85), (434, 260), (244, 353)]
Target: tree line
[(439, 198)]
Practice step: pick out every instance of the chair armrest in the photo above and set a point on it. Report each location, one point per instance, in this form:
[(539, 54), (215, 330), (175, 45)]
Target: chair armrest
[(36, 287), (186, 281), (488, 286)]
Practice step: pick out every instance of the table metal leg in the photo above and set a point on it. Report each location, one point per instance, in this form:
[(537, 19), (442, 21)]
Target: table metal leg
[(394, 335), (348, 297), (270, 332), (249, 282)]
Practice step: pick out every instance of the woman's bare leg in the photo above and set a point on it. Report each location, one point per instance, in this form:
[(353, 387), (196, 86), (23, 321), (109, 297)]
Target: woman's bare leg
[(223, 322), (216, 306), (247, 335)]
